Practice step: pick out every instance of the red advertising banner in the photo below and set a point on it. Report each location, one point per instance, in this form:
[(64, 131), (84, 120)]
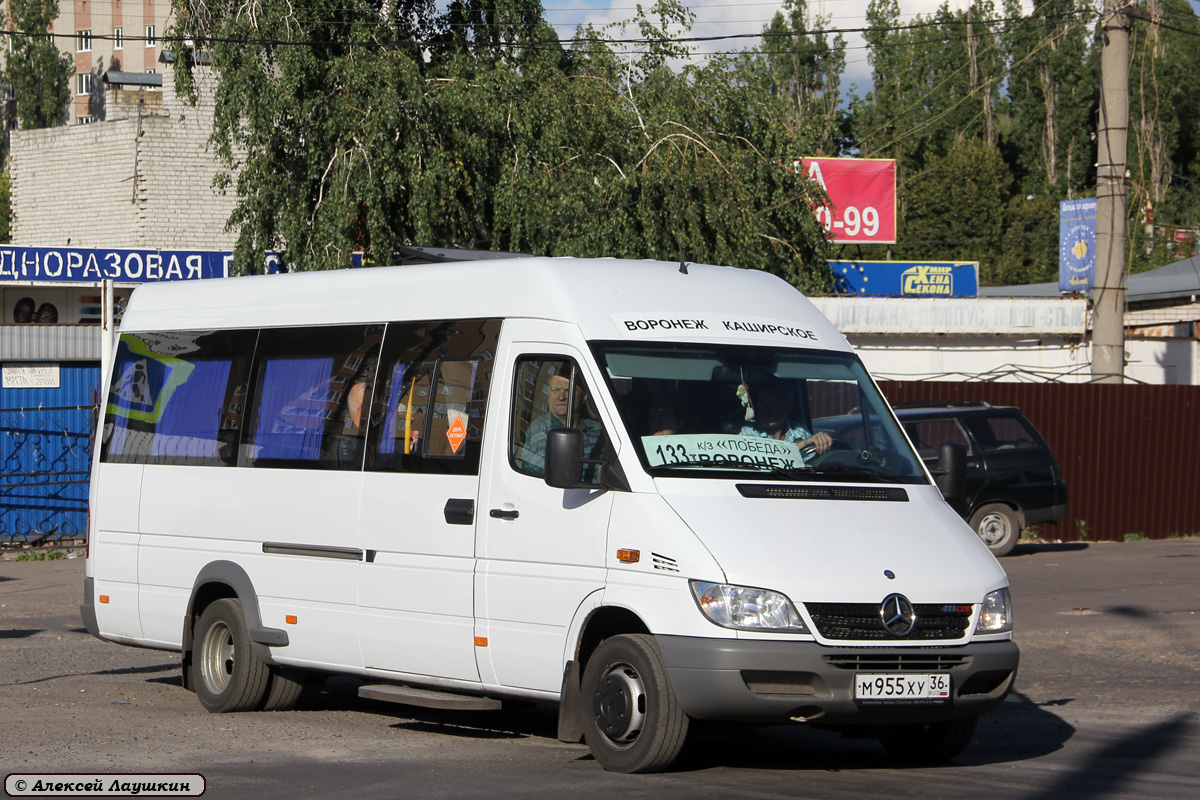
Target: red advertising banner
[(862, 197)]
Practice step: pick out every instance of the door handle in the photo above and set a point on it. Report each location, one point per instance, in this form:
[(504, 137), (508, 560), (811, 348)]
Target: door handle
[(500, 513)]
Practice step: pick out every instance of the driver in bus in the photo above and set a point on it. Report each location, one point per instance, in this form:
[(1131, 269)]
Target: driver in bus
[(772, 402)]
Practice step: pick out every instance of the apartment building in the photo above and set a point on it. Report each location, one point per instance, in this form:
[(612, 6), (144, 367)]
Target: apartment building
[(103, 35)]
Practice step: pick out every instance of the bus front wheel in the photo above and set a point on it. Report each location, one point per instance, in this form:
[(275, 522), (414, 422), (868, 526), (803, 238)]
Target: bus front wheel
[(631, 719)]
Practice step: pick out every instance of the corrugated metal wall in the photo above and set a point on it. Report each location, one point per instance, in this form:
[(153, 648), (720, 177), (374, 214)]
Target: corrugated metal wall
[(45, 447), (1130, 454)]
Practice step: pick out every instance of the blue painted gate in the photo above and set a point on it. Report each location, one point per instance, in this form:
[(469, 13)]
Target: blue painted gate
[(45, 457)]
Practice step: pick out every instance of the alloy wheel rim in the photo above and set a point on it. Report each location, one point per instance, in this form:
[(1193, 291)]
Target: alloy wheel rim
[(217, 657)]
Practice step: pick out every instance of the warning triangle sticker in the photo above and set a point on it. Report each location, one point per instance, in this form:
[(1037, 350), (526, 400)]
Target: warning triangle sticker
[(457, 433)]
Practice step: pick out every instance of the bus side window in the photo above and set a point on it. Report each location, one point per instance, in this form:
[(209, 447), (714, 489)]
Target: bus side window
[(300, 396), (427, 410), (550, 393), (175, 397)]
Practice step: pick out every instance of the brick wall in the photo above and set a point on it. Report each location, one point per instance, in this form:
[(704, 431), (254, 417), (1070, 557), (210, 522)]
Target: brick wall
[(1161, 316), (77, 184)]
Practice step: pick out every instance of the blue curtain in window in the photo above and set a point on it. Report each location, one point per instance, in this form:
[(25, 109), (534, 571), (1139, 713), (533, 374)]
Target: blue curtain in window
[(388, 445), (190, 422), (293, 403)]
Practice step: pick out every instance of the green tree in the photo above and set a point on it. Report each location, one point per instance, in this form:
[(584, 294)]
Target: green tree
[(5, 207), (957, 208), (1053, 87), (1164, 124), (346, 125), (807, 65), (39, 74)]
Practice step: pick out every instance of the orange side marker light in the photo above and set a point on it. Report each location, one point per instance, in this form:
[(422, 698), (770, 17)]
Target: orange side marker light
[(104, 598), (481, 641), (629, 556), (290, 619)]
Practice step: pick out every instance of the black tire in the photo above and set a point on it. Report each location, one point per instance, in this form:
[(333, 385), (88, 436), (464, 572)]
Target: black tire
[(631, 719), (228, 676), (998, 526), (931, 742), (284, 688)]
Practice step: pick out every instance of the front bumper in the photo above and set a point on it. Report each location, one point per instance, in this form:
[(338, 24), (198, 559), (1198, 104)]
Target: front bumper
[(773, 681)]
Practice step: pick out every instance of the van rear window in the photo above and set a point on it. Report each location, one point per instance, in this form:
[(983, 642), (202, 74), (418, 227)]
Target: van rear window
[(177, 397), (999, 434)]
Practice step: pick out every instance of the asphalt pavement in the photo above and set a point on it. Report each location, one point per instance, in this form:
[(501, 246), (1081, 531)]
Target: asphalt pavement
[(1105, 707)]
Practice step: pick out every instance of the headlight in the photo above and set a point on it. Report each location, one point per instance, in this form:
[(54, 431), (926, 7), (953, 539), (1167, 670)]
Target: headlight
[(746, 608), (996, 614)]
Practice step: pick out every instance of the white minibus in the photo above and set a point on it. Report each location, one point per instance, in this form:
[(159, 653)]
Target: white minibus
[(599, 483)]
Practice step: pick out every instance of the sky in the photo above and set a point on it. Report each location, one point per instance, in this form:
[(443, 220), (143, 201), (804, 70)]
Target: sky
[(719, 17)]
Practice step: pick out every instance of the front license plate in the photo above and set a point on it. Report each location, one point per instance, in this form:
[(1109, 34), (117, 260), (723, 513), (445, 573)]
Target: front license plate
[(901, 687)]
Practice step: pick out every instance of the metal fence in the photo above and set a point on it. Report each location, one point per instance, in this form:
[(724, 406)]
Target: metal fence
[(1128, 452), (45, 456)]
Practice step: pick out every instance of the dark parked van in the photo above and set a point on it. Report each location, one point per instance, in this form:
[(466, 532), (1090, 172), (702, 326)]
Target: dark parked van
[(1013, 479)]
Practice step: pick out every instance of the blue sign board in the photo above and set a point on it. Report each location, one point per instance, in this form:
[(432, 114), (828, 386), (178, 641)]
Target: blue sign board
[(92, 265), (906, 278), (1076, 244)]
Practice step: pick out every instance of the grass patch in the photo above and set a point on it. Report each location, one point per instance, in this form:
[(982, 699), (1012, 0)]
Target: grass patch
[(42, 555)]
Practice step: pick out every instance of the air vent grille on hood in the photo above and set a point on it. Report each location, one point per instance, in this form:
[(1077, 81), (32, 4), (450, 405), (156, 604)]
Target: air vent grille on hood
[(889, 494)]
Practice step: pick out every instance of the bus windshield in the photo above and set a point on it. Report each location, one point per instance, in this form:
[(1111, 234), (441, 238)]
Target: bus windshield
[(712, 411)]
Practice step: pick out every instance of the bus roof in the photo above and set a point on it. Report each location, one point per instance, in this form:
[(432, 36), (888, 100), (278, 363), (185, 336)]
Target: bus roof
[(606, 298)]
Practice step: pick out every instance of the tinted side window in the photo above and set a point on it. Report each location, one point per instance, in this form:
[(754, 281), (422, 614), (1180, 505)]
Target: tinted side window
[(928, 435), (550, 393), (996, 434), (306, 394), (427, 410), (177, 397)]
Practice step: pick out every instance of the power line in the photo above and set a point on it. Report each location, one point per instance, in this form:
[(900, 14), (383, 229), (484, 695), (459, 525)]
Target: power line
[(555, 42)]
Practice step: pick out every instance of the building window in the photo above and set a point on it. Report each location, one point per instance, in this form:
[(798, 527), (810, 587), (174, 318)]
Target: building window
[(150, 40), (83, 41), (83, 120), (83, 83), (118, 38)]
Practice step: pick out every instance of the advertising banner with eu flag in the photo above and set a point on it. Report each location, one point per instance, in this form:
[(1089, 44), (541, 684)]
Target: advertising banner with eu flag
[(1076, 244), (906, 278)]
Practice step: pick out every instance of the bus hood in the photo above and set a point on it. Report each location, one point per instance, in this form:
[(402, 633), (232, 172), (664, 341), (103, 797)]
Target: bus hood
[(840, 550)]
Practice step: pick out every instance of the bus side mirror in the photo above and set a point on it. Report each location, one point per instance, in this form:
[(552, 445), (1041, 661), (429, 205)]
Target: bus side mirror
[(565, 462), (951, 472), (564, 457)]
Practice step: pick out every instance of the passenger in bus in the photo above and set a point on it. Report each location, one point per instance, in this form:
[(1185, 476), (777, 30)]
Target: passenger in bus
[(772, 404), (663, 421), (350, 443)]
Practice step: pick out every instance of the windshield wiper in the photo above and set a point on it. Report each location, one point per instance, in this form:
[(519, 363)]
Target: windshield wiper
[(703, 463), (864, 474)]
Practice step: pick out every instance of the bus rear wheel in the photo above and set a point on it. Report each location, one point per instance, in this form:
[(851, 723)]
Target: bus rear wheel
[(229, 676)]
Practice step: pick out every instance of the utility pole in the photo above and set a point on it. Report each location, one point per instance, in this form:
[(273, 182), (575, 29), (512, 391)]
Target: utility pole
[(1108, 307)]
